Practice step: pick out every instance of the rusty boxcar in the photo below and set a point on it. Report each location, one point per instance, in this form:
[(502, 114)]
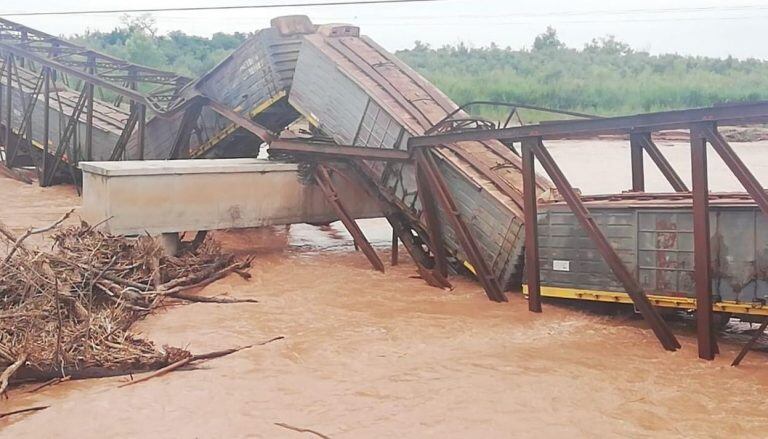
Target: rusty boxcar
[(653, 235), (358, 94)]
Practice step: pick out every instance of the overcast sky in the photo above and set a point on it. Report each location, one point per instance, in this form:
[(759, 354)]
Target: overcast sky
[(699, 27)]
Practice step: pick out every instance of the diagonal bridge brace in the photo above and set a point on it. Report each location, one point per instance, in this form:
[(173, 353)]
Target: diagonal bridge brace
[(437, 187), (404, 226), (323, 179), (640, 142), (617, 266)]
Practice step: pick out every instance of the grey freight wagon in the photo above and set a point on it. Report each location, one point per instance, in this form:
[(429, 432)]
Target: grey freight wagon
[(653, 235)]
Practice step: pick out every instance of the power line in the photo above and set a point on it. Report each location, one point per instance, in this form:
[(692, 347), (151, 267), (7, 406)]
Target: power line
[(569, 13), (523, 18), (555, 21), (413, 19), (639, 11), (217, 8)]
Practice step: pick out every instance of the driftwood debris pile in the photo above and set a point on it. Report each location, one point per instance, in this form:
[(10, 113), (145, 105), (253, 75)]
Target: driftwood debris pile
[(67, 311)]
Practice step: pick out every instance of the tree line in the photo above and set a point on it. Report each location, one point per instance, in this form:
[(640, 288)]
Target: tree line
[(605, 77)]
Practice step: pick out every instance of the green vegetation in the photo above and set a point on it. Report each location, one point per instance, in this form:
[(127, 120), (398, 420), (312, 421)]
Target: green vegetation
[(606, 77), (137, 41)]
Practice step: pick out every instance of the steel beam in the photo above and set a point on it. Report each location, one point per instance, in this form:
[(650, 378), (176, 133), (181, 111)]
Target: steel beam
[(394, 255), (661, 162), (702, 257), (91, 66), (181, 143), (648, 122), (66, 137), (332, 150), (262, 133), (617, 266), (532, 269), (89, 89), (737, 166), (453, 111), (638, 171), (404, 225), (46, 121), (118, 152), (43, 60), (323, 179), (437, 186), (25, 132), (748, 346), (432, 218), (403, 230), (141, 130), (8, 107)]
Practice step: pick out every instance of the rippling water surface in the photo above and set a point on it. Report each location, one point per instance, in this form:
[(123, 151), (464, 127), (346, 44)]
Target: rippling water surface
[(378, 355)]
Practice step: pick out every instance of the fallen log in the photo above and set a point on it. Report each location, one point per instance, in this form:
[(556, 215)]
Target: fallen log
[(302, 430), (30, 375), (207, 299), (198, 357), (26, 410), (51, 382), (201, 279), (9, 371)]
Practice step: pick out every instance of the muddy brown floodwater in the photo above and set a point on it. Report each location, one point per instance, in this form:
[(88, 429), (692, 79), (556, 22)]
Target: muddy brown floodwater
[(383, 355)]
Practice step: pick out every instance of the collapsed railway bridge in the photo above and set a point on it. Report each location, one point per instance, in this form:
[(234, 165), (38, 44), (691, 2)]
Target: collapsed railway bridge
[(347, 113)]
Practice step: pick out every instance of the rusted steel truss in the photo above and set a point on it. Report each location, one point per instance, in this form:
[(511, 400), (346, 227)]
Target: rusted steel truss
[(640, 142), (332, 150), (617, 266), (748, 345), (323, 179), (180, 147), (732, 114), (405, 225), (702, 124), (436, 186), (432, 218), (157, 89), (701, 257), (458, 120), (65, 141), (531, 224), (57, 64)]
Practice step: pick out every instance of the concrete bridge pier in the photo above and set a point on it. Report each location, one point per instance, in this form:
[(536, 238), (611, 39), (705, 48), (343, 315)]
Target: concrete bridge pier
[(166, 197), (171, 242)]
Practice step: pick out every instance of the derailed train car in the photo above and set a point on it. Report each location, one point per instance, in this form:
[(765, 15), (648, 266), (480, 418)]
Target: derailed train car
[(353, 91), (358, 94), (653, 235), (254, 81)]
